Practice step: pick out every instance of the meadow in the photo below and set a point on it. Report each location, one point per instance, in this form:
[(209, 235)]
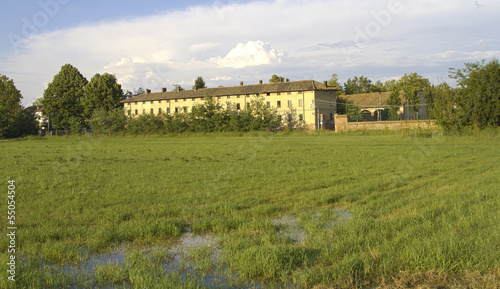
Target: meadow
[(276, 210)]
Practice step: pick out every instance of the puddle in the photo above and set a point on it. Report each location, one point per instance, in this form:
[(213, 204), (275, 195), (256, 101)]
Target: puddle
[(289, 229), (182, 257)]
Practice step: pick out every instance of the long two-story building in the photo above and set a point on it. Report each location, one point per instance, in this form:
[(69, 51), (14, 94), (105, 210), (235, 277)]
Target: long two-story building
[(307, 101)]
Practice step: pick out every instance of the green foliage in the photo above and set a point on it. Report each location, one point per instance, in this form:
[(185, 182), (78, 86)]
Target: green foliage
[(444, 106), (275, 78), (210, 116), (102, 93), (353, 111), (63, 97), (395, 103), (75, 125), (25, 125), (410, 85), (478, 101), (177, 87), (105, 122), (199, 83), (10, 107), (358, 85)]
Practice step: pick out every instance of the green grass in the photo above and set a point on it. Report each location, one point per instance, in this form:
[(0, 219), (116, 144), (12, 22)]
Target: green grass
[(416, 202)]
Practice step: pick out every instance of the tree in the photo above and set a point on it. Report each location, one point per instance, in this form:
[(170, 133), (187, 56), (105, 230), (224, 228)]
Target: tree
[(63, 97), (38, 102), (199, 83), (139, 91), (445, 106), (275, 78), (10, 106), (358, 85), (102, 92), (178, 87), (409, 87), (478, 101)]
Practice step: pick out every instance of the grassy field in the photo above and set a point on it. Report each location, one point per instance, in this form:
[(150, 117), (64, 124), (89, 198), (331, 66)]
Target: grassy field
[(327, 210)]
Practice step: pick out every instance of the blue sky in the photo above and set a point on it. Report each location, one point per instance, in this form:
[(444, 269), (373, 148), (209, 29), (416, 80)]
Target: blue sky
[(155, 44)]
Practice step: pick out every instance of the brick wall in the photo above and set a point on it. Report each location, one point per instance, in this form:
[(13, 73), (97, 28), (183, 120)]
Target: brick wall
[(341, 124)]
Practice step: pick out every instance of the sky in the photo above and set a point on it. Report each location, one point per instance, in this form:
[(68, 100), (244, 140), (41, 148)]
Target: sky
[(154, 44)]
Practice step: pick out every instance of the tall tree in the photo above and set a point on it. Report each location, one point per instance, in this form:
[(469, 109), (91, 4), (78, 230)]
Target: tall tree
[(199, 83), (409, 87), (358, 85), (445, 106), (479, 93), (62, 99), (275, 78), (102, 93), (10, 106)]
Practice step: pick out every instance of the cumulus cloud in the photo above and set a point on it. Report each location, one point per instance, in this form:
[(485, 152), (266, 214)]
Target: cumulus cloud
[(252, 53)]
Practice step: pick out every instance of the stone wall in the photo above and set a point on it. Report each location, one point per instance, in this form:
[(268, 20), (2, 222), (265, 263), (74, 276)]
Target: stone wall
[(341, 124)]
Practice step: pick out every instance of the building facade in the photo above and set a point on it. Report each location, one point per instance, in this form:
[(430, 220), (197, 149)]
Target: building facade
[(307, 102)]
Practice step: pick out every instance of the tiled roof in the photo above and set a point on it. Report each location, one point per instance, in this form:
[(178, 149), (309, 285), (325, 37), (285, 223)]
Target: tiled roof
[(303, 85), (371, 100)]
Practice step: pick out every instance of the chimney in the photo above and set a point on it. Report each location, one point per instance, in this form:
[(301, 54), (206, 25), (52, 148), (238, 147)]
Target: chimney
[(241, 83), (260, 81), (282, 79), (326, 83), (148, 91), (163, 90)]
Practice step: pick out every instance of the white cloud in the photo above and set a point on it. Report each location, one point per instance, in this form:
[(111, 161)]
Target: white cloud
[(252, 53), (232, 42)]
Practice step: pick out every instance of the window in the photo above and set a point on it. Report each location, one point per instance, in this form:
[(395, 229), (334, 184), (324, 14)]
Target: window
[(248, 105), (268, 104), (289, 93), (168, 101), (301, 103), (152, 102), (278, 104), (152, 111), (218, 97), (168, 110), (279, 118), (159, 111), (228, 97), (268, 94), (301, 117), (290, 117), (238, 107), (331, 115), (279, 93), (176, 100), (228, 106), (289, 103), (129, 112), (135, 103), (238, 96), (159, 101), (136, 112), (185, 109), (176, 110), (185, 99)]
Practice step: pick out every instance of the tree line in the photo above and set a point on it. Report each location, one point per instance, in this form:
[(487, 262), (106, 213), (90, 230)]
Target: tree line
[(71, 102), (473, 102)]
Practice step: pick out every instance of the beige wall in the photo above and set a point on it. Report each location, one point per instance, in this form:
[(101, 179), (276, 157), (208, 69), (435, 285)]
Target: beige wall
[(341, 124)]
